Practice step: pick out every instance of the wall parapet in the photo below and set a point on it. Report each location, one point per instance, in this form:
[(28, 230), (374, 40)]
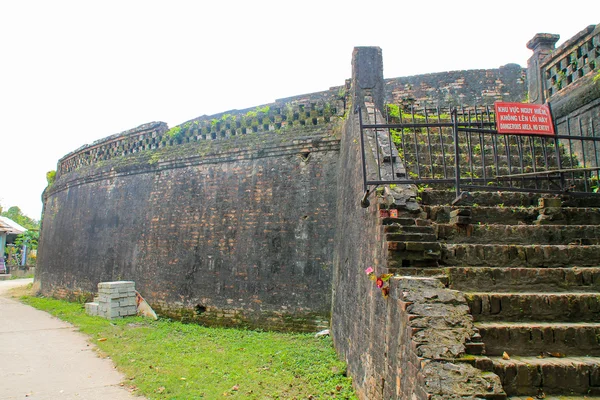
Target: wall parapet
[(295, 113), (552, 70), (211, 152), (574, 59)]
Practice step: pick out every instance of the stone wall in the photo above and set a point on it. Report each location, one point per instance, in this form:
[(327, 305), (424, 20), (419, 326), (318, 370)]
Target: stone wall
[(237, 231), (459, 88), (567, 78), (404, 346), (294, 113)]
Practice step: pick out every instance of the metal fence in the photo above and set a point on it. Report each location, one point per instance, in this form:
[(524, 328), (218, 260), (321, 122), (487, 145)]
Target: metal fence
[(460, 148)]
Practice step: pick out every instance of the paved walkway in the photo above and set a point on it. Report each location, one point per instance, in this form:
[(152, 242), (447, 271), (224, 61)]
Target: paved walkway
[(43, 358)]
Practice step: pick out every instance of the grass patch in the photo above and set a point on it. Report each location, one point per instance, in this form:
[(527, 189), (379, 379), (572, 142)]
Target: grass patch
[(28, 276), (165, 359)]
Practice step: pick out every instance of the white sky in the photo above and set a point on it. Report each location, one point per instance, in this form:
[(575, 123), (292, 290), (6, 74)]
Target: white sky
[(72, 72)]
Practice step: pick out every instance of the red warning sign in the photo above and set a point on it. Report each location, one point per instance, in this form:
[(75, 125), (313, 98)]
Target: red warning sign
[(524, 119)]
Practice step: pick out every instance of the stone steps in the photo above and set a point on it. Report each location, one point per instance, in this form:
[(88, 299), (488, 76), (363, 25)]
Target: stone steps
[(408, 229), (574, 279), (405, 221), (519, 234), (541, 338), (531, 376), (431, 196), (423, 147), (411, 237), (429, 169), (518, 215), (411, 254), (563, 307), (556, 397), (530, 273), (525, 256)]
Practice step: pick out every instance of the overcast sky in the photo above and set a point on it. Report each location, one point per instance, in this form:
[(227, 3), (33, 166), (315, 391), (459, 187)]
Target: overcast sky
[(72, 72)]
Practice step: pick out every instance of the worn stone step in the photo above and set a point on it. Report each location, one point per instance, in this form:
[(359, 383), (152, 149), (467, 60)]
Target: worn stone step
[(540, 338), (576, 279), (548, 307), (519, 215), (555, 397), (408, 229), (424, 146), (402, 246), (431, 272), (474, 162), (428, 169), (404, 221), (531, 376), (512, 255), (410, 237), (484, 214), (519, 234), (432, 196), (413, 254)]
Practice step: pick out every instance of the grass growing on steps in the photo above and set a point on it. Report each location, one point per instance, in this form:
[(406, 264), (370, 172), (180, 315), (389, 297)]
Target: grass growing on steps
[(165, 359)]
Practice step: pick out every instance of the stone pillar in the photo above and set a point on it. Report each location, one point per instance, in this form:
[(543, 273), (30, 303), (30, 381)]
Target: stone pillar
[(542, 44), (367, 75)]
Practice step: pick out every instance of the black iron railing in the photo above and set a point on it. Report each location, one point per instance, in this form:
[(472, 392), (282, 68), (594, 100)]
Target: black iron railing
[(461, 148)]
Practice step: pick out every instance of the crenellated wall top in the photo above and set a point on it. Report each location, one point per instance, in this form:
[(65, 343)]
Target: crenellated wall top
[(290, 114)]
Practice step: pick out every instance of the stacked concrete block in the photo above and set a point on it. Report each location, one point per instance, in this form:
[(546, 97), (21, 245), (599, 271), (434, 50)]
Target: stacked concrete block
[(114, 300)]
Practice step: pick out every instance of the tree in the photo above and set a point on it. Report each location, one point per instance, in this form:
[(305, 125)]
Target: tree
[(16, 215), (28, 238)]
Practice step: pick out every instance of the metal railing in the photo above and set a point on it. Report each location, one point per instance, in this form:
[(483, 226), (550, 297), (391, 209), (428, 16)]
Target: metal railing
[(461, 148)]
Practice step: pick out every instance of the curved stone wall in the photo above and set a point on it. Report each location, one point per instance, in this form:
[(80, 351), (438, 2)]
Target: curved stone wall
[(233, 231)]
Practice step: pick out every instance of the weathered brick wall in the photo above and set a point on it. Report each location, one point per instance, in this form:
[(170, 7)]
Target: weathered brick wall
[(365, 326), (230, 232), (404, 346), (459, 88)]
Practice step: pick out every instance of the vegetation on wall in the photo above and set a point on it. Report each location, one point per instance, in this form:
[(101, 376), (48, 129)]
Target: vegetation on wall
[(50, 177)]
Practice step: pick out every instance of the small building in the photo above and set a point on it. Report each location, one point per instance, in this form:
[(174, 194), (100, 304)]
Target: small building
[(9, 230)]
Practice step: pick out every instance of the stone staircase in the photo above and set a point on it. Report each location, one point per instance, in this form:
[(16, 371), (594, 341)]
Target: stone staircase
[(529, 268)]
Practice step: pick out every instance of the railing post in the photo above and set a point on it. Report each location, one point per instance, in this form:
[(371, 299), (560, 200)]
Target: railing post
[(542, 44), (456, 151), (362, 148)]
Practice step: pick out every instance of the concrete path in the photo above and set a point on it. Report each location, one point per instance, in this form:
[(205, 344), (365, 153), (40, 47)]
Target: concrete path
[(43, 358)]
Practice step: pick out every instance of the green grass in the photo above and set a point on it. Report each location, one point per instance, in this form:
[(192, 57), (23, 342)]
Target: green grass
[(165, 359), (12, 277)]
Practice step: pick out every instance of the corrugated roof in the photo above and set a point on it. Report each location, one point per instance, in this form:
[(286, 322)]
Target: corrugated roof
[(11, 227)]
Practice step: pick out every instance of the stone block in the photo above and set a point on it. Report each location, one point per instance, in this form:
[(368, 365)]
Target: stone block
[(460, 220), (463, 212), (549, 202), (92, 309)]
